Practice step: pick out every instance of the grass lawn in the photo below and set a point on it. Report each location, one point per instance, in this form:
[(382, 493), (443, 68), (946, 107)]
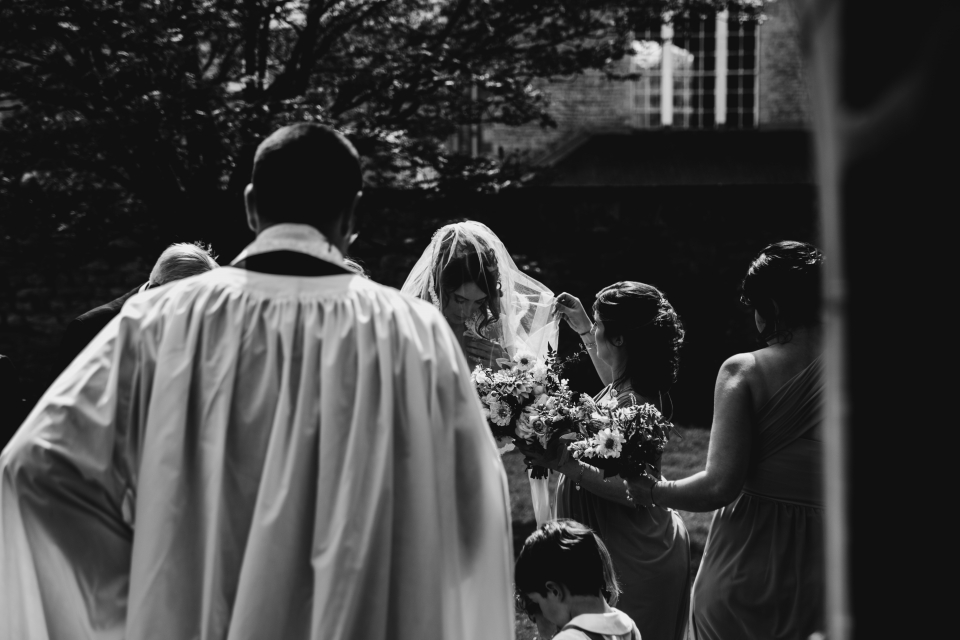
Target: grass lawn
[(681, 459)]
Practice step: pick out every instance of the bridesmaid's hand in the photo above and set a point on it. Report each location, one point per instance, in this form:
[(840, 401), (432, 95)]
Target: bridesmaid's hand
[(569, 307), (638, 490), (483, 351)]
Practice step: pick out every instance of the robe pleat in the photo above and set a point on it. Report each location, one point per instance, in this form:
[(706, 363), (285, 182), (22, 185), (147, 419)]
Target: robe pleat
[(241, 456)]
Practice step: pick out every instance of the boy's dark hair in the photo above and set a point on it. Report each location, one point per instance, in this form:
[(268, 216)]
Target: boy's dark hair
[(568, 553), (305, 173)]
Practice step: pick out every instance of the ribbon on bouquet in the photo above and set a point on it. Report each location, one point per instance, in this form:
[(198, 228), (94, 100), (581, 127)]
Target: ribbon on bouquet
[(544, 507)]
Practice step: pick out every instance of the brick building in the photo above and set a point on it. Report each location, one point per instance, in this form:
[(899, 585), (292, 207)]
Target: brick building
[(726, 76)]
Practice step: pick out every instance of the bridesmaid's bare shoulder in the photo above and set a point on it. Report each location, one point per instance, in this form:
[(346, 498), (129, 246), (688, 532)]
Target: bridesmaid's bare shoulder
[(740, 365), (737, 372), (744, 373)]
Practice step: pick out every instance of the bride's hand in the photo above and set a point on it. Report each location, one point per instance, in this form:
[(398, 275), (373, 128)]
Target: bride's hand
[(483, 351), (569, 307), (553, 458)]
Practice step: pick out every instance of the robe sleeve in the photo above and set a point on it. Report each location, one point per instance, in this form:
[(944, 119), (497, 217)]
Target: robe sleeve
[(66, 478)]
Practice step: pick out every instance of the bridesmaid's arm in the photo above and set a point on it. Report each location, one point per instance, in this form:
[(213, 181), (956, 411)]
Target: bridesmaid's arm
[(729, 453), (603, 369), (591, 479), (571, 310)]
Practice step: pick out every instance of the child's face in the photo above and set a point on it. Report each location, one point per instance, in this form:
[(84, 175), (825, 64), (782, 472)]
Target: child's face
[(545, 628), (553, 605)]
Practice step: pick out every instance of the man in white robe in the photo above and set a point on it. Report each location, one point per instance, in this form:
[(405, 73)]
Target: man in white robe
[(276, 449)]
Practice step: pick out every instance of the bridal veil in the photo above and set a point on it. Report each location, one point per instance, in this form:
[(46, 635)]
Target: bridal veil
[(526, 321)]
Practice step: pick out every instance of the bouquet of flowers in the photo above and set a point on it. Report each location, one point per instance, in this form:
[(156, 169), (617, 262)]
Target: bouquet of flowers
[(528, 400), (625, 441)]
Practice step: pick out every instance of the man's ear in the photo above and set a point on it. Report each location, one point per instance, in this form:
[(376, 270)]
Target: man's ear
[(250, 203), (346, 229), (348, 223), (618, 341), (554, 588)]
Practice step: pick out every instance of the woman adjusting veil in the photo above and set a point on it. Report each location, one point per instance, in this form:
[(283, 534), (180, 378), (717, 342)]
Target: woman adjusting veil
[(495, 310)]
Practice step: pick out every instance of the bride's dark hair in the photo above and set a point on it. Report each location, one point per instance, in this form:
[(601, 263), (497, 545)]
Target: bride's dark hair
[(652, 331), (465, 263), (787, 273)]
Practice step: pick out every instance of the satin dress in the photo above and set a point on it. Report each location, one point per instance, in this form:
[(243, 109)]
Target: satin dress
[(650, 549), (762, 571)]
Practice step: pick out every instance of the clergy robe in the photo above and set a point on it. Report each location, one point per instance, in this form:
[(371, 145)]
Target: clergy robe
[(246, 455)]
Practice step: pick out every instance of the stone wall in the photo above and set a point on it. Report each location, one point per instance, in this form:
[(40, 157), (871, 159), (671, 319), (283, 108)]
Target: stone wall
[(784, 101), (583, 102)]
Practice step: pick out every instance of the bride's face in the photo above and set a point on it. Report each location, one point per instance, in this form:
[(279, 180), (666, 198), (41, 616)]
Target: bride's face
[(463, 303)]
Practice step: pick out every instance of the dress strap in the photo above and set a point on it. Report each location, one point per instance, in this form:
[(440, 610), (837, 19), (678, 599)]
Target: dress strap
[(603, 393), (593, 635)]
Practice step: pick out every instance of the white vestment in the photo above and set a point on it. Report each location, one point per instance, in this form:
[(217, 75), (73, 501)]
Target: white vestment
[(241, 455)]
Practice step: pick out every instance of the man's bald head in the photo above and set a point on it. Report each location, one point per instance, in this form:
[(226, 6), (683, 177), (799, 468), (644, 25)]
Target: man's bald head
[(305, 173)]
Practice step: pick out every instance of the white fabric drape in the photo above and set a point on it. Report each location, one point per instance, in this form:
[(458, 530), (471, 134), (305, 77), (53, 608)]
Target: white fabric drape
[(544, 501), (241, 455)]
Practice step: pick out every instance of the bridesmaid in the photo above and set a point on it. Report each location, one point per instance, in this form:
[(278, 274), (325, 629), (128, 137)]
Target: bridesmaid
[(634, 344), (762, 570)]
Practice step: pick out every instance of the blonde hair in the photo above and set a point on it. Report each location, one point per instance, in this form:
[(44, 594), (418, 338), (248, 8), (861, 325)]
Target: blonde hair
[(182, 260)]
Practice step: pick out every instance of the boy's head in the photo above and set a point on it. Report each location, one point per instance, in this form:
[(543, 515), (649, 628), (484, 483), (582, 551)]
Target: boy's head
[(561, 559)]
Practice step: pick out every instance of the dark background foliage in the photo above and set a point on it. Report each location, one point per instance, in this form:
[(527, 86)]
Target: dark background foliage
[(126, 125), (694, 243)]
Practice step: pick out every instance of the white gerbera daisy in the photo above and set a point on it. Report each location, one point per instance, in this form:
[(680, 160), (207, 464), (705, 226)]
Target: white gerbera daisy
[(609, 443), (525, 360)]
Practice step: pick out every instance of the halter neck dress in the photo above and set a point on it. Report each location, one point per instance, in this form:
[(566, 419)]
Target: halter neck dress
[(762, 571), (650, 550)]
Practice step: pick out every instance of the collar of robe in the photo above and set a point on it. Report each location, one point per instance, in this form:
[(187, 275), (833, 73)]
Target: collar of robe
[(301, 238)]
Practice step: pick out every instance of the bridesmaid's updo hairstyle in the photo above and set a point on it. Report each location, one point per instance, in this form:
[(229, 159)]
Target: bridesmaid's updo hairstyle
[(642, 316), (786, 273)]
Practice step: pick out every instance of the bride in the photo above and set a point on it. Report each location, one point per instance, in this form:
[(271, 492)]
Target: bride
[(495, 310)]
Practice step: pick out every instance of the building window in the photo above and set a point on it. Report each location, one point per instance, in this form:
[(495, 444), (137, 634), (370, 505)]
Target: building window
[(706, 64)]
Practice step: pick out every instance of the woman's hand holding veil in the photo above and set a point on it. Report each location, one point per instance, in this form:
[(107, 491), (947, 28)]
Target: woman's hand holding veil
[(483, 351), (570, 308)]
